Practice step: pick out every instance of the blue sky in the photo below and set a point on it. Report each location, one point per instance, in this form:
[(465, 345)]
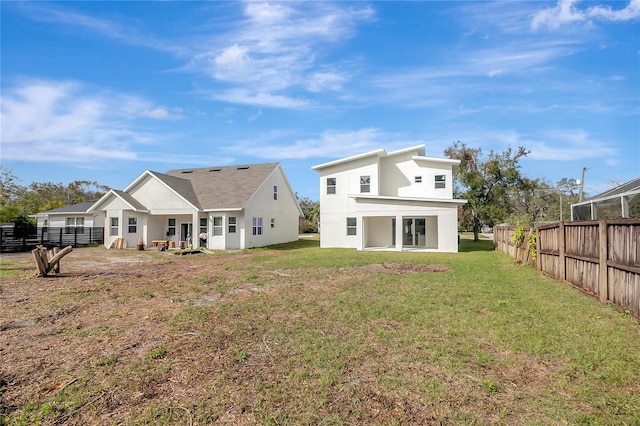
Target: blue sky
[(102, 91)]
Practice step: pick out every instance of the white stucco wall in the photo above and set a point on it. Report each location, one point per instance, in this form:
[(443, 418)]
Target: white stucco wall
[(284, 211), (59, 220)]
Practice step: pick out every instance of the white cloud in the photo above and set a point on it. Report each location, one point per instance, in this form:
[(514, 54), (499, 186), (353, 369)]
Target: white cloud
[(64, 121), (572, 144), (331, 143), (55, 13), (258, 98), (278, 48), (568, 11)]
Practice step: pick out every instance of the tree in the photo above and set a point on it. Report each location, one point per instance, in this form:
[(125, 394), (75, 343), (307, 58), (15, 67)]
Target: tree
[(17, 202), (9, 187), (311, 211), (486, 185)]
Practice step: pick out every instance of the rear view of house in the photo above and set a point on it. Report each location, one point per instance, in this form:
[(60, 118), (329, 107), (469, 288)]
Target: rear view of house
[(231, 207), (399, 200)]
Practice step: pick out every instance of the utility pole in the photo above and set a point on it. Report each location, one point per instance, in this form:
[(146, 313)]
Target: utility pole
[(584, 169)]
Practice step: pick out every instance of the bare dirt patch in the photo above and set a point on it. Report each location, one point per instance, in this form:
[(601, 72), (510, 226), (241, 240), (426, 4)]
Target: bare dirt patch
[(404, 267)]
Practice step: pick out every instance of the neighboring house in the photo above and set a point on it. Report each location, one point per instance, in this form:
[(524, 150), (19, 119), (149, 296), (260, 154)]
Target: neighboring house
[(232, 207), (71, 216), (623, 201), (399, 200)]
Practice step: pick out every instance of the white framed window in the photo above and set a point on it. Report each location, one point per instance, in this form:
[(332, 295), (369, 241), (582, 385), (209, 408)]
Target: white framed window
[(203, 225), (171, 228), (232, 224), (275, 192), (133, 225), (365, 183), (257, 226), (418, 179), (331, 185), (352, 226), (113, 226), (441, 181), (217, 225), (74, 225)]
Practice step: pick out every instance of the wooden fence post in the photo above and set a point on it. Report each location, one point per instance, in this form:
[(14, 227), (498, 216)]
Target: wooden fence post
[(562, 246), (603, 269), (538, 245)]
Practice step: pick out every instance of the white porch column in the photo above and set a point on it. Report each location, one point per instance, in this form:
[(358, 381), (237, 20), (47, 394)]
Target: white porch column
[(399, 234), (363, 233), (195, 230)]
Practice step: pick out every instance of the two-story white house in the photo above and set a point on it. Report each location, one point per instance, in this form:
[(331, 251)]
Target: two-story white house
[(401, 200)]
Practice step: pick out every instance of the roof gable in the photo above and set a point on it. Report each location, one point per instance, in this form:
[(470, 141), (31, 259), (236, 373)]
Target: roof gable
[(134, 204)]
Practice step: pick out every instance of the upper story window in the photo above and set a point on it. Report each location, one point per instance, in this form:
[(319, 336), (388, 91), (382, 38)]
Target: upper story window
[(418, 179), (275, 192), (331, 185), (441, 181), (365, 183)]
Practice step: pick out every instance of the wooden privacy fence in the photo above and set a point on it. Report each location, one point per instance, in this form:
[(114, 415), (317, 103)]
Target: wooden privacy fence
[(601, 257)]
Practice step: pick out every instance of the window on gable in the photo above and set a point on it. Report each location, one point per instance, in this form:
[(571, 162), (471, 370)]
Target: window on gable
[(275, 192), (331, 185), (365, 183), (257, 226), (273, 223), (232, 224), (133, 225), (352, 226), (418, 179), (441, 181), (217, 225)]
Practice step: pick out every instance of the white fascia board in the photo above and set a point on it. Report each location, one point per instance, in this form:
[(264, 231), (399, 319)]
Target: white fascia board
[(388, 198), (136, 180), (436, 160), (378, 152), (115, 194), (420, 147), (103, 198), (231, 209)]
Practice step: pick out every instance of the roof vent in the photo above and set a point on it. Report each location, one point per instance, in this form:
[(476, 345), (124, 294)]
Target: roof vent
[(215, 170), (243, 168), (187, 171)]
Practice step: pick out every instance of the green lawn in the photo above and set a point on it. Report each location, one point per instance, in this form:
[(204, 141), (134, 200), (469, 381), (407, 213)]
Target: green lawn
[(303, 335)]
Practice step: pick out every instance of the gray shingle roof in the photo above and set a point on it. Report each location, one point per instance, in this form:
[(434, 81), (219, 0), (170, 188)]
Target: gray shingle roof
[(218, 187), (73, 208)]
